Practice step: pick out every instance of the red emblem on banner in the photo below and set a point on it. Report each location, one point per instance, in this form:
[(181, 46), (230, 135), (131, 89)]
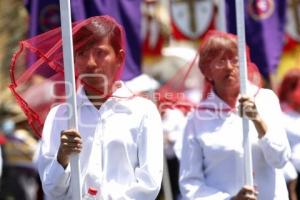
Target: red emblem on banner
[(49, 17), (191, 18), (260, 9), (152, 35)]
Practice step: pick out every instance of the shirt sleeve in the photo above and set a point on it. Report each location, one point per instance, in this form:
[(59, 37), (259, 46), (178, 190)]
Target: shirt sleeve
[(274, 144), (293, 132), (55, 179), (289, 172), (148, 174), (192, 180), (295, 159)]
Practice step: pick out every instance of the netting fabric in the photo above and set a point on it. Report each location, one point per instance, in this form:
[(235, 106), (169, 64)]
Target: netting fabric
[(213, 47), (37, 72)]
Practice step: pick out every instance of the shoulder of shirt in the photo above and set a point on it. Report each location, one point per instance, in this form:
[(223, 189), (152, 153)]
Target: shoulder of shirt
[(267, 93), (59, 109), (142, 100), (124, 95), (137, 103)]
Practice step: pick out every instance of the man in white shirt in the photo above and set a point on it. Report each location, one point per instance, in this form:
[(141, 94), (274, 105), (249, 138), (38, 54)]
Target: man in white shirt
[(120, 135)]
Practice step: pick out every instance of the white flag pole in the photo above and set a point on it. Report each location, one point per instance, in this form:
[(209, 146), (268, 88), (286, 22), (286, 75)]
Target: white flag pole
[(166, 181), (67, 39), (240, 20)]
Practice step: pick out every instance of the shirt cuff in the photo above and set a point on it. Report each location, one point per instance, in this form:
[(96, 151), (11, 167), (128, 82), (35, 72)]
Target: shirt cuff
[(59, 175), (265, 139), (268, 139), (276, 151)]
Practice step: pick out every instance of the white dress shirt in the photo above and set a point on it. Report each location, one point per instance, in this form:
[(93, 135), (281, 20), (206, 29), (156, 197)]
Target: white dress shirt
[(212, 155), (122, 154), (292, 125)]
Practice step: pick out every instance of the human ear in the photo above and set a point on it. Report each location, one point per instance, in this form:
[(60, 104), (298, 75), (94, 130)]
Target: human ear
[(121, 57)]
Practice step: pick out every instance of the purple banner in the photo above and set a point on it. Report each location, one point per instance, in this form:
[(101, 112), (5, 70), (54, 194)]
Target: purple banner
[(264, 21), (44, 15)]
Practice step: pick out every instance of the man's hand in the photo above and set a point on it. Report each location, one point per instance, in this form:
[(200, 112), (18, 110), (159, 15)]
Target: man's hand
[(70, 142), (246, 193)]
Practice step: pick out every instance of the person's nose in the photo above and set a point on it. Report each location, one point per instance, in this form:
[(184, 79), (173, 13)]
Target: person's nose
[(91, 62)]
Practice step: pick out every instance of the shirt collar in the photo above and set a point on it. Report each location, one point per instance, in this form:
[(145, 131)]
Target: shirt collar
[(120, 93), (213, 101)]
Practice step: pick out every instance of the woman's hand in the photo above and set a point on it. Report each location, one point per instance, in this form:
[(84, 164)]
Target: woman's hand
[(70, 142), (248, 109), (246, 193)]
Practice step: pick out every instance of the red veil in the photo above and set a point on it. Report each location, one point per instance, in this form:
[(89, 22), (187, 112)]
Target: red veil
[(173, 93), (36, 69)]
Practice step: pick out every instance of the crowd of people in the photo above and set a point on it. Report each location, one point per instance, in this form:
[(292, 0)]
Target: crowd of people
[(122, 137)]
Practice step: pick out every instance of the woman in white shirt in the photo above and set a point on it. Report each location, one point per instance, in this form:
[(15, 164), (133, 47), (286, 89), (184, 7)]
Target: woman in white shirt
[(212, 154), (120, 135)]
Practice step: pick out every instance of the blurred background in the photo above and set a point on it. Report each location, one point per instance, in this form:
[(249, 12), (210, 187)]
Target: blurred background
[(169, 33)]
